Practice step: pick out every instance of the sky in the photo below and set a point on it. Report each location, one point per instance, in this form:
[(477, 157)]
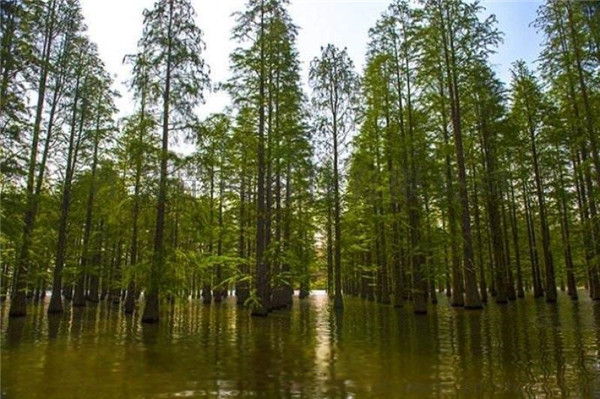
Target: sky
[(116, 25)]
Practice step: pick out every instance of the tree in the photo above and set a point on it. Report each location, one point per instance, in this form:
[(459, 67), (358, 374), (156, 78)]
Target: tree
[(569, 61), (84, 59), (528, 113), (266, 91), (138, 147), (173, 46), (49, 34), (20, 46), (334, 85), (461, 41), (100, 97)]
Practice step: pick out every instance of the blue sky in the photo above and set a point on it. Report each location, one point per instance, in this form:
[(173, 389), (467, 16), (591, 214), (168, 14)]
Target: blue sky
[(521, 40), (344, 23)]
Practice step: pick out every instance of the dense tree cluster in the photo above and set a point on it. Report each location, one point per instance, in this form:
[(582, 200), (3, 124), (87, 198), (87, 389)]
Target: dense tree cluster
[(487, 190), (454, 181)]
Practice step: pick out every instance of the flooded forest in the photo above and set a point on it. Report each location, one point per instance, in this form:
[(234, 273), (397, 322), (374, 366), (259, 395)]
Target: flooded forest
[(411, 224)]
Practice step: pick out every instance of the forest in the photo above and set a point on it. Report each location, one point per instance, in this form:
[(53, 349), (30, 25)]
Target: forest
[(422, 183)]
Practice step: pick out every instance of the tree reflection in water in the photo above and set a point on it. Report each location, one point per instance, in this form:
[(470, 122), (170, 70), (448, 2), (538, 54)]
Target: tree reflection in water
[(369, 350)]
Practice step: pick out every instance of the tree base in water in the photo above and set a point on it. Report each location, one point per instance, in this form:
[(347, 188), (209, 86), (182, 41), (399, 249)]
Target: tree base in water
[(55, 305), (260, 311), (338, 302), (151, 309), (150, 319), (18, 305), (130, 302), (79, 299)]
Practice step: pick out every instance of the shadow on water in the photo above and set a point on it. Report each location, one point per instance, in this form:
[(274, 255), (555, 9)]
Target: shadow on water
[(526, 348), (14, 332)]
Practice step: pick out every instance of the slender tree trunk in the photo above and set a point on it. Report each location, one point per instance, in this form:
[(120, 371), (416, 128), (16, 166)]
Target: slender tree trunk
[(151, 310), (383, 294), (405, 262), (594, 226), (337, 257), (515, 237), (262, 277), (133, 260), (79, 297), (207, 288), (588, 234), (393, 210), (329, 228), (97, 259), (56, 299), (219, 292), (533, 251), (457, 292), (548, 261), (305, 280), (511, 293), (482, 284), (493, 207), (242, 289), (563, 213), (472, 299), (18, 300), (287, 231)]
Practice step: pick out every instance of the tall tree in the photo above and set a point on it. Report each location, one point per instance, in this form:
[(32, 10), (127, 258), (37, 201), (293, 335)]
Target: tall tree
[(174, 48), (266, 87), (10, 12), (528, 111), (138, 148), (335, 95), (461, 41), (100, 99), (80, 106)]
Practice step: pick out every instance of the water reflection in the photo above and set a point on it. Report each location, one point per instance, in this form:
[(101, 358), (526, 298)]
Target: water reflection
[(528, 348)]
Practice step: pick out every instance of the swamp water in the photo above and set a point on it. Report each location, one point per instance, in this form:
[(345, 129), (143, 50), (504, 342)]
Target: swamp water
[(525, 349)]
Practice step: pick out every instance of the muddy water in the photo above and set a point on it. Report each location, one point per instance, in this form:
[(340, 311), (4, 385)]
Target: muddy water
[(528, 348)]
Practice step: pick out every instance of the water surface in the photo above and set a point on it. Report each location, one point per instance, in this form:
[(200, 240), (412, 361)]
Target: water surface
[(526, 349)]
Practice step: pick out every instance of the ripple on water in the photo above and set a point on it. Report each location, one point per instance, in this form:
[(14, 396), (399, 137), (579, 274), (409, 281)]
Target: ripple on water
[(527, 348)]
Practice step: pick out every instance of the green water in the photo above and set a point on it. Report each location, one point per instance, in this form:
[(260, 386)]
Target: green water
[(528, 348)]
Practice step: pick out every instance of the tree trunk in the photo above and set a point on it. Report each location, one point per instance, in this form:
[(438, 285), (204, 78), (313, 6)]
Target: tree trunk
[(472, 299), (241, 287), (482, 284), (548, 261), (133, 260), (262, 277), (79, 297), (533, 251), (337, 228), (151, 310), (56, 299), (515, 237), (18, 300)]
